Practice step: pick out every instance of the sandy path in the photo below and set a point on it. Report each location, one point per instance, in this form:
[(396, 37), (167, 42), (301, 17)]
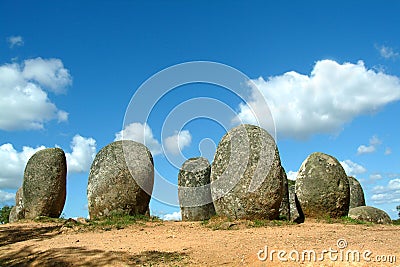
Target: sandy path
[(190, 244)]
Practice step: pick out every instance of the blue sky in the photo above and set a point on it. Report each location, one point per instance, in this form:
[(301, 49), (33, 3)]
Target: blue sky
[(329, 71)]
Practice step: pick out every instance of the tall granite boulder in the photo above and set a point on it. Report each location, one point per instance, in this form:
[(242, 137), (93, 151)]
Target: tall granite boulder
[(246, 178), (44, 186), (356, 193), (284, 209), (296, 213), (322, 187), (370, 214), (121, 180), (194, 190), (18, 212)]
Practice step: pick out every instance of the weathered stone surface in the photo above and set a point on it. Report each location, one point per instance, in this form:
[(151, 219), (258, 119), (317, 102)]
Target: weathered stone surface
[(115, 188), (284, 210), (356, 193), (296, 213), (18, 211), (194, 190), (81, 220), (44, 186), (369, 214), (322, 187), (12, 217), (246, 180)]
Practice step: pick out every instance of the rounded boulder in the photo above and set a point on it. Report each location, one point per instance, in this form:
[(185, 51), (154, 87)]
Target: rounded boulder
[(322, 187), (357, 198), (44, 186), (246, 178), (121, 180)]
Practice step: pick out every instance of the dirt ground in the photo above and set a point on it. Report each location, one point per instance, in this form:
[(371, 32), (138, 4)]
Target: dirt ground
[(196, 244)]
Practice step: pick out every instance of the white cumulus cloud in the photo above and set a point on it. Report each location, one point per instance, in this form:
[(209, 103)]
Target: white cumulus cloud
[(62, 116), (6, 197), (351, 168), (175, 216), (82, 155), (174, 144), (13, 162), (363, 149), (140, 133), (375, 176), (322, 102), (387, 194), (47, 72), (15, 41), (387, 52), (374, 141), (388, 151), (24, 101), (291, 175)]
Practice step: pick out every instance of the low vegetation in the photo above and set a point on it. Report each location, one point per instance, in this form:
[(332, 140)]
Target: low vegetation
[(223, 223), (342, 220), (115, 221), (45, 219), (348, 220), (291, 183), (396, 222), (120, 221)]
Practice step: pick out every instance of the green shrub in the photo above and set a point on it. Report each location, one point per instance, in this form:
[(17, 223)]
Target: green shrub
[(5, 214), (396, 222)]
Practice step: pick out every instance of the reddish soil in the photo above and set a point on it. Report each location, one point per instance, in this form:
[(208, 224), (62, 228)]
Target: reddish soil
[(192, 244)]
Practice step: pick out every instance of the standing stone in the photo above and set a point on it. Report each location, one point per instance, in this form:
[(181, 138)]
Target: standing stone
[(194, 190), (356, 193), (370, 214), (115, 188), (13, 217), (284, 210), (296, 213), (322, 187), (18, 212), (246, 180), (44, 186)]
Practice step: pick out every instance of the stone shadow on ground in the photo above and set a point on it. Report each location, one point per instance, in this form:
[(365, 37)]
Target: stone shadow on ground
[(80, 256), (69, 256), (15, 234), (73, 256)]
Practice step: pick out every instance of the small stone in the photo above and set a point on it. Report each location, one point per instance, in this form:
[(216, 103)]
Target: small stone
[(81, 220)]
